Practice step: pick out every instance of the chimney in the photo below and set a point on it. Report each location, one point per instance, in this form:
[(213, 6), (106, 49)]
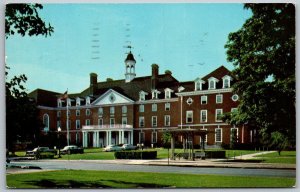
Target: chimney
[(154, 77), (93, 83)]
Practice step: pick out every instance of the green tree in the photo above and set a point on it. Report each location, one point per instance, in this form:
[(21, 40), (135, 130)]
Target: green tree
[(263, 53), (21, 113)]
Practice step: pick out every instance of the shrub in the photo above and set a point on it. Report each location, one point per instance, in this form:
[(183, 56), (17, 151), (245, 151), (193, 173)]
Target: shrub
[(135, 154)]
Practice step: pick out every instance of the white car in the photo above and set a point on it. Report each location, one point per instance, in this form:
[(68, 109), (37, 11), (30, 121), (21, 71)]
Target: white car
[(129, 147), (112, 148)]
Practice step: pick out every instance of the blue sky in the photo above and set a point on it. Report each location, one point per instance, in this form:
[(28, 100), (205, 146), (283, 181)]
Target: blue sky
[(187, 39)]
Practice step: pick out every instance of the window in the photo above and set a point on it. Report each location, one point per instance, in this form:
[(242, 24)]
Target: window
[(69, 113), (87, 100), (205, 139), (77, 124), (235, 97), (59, 103), (204, 100), (155, 94), (112, 110), (203, 115), (58, 124), (58, 113), (168, 92), (189, 116), (154, 121), (141, 122), (219, 113), (167, 120), (234, 135), (189, 101), (100, 111), (87, 112), (124, 109), (100, 122), (212, 83), (219, 98), (141, 137), (167, 106), (87, 122), (124, 121), (154, 107), (68, 101), (68, 124), (218, 135), (154, 137), (226, 81), (77, 112), (197, 86), (77, 138), (143, 95), (77, 101), (141, 108), (112, 122)]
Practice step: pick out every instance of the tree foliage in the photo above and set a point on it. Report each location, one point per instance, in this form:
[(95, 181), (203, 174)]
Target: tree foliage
[(22, 123), (24, 19), (263, 53)]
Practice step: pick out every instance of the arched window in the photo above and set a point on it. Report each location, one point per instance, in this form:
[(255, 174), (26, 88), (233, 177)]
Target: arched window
[(46, 122)]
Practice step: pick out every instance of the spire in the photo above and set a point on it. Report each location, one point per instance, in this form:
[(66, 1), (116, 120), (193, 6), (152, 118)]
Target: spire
[(129, 67)]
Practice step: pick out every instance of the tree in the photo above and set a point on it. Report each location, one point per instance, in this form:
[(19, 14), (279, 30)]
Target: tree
[(22, 123), (263, 53), (24, 19)]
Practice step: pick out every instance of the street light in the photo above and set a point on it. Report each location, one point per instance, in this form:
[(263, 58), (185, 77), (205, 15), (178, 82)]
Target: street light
[(58, 131)]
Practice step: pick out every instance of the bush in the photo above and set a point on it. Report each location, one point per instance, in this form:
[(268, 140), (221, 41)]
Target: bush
[(135, 154)]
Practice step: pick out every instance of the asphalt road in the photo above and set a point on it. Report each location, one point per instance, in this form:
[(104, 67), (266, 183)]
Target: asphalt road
[(98, 165)]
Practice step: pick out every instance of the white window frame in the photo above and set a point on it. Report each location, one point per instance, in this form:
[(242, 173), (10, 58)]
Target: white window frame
[(77, 112), (205, 141), (167, 106), (237, 133), (77, 124), (154, 136), (168, 92), (154, 121), (201, 116), (77, 101), (124, 109), (155, 94), (154, 107), (235, 95), (141, 108), (142, 95), (59, 103), (100, 122), (87, 122), (112, 110), (112, 122), (187, 114), (221, 135), (167, 123), (87, 112), (87, 101), (100, 111), (204, 98), (212, 83), (198, 84), (141, 137), (124, 121), (216, 115), (69, 102), (228, 79), (221, 98), (141, 120)]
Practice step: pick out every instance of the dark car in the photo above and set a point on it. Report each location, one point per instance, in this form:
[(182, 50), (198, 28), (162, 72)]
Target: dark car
[(71, 149)]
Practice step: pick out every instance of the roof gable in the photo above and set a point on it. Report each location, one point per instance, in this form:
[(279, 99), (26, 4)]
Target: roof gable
[(111, 97)]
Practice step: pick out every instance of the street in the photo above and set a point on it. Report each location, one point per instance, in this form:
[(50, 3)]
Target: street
[(104, 166)]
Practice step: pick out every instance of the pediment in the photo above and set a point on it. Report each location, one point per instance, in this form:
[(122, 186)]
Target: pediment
[(111, 97)]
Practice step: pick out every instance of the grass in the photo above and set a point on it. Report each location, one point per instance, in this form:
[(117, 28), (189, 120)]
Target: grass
[(285, 157), (109, 179)]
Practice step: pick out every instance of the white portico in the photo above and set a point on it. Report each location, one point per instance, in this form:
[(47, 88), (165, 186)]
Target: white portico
[(113, 119)]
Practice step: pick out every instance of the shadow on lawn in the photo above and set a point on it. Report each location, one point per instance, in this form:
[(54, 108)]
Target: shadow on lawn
[(44, 183)]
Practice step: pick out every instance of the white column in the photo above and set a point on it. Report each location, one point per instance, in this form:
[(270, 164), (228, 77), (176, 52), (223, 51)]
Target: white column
[(122, 137), (83, 139), (131, 137), (94, 139), (97, 139), (109, 138)]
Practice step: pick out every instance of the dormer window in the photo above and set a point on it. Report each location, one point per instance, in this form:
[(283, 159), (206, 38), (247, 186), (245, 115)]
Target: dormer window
[(68, 101), (143, 95), (59, 103), (168, 92), (155, 94), (198, 84), (77, 101), (226, 81), (212, 83), (180, 89), (87, 100)]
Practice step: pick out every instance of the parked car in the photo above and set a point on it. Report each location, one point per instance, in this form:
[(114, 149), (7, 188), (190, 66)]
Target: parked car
[(112, 148), (129, 147), (36, 152), (71, 149)]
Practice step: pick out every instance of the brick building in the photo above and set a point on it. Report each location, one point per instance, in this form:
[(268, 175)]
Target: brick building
[(137, 109)]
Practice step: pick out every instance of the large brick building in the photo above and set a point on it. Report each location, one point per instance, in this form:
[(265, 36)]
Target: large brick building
[(137, 109)]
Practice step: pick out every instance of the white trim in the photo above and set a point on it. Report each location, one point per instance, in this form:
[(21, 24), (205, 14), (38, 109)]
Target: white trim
[(165, 122), (201, 100), (154, 133), (205, 116), (220, 136), (166, 106), (141, 108), (154, 107), (109, 92), (203, 92), (186, 116), (157, 101), (152, 122), (237, 133), (220, 95), (216, 115), (168, 92), (76, 123), (141, 118)]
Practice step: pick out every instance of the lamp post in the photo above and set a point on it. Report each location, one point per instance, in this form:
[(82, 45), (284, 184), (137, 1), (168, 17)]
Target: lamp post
[(58, 131)]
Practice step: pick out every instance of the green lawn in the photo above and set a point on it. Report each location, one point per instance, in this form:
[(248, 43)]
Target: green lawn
[(285, 157), (109, 179)]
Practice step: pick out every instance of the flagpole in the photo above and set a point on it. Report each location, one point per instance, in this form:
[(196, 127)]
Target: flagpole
[(68, 136)]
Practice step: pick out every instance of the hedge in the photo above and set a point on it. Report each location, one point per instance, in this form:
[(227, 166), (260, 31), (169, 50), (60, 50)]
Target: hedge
[(135, 154)]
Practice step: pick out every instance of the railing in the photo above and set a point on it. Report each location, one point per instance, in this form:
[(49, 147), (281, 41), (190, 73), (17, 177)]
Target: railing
[(117, 126)]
